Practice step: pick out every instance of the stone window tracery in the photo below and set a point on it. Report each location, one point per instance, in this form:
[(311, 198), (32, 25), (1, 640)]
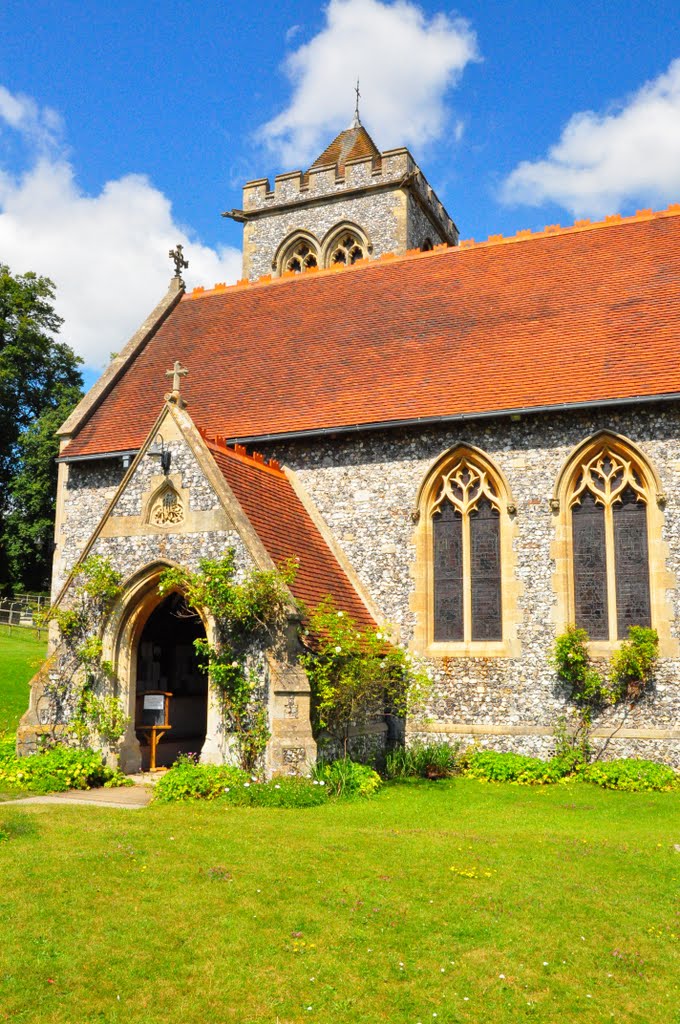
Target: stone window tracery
[(347, 249), (608, 505), (301, 257), (466, 555)]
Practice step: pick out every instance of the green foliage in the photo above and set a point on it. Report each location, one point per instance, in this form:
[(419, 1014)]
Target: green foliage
[(82, 671), (245, 612), (39, 384), (357, 674), (634, 776), (423, 760), (56, 770), (16, 825), (631, 671), (188, 780), (625, 774), (494, 766), (633, 665), (344, 777)]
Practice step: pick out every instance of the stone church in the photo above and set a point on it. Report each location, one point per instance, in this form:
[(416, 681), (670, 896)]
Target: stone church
[(475, 442)]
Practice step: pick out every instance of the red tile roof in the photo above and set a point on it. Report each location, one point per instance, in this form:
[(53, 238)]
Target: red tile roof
[(352, 144), (286, 530), (584, 314)]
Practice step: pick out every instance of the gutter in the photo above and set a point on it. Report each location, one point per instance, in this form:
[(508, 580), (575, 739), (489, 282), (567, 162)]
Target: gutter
[(418, 421)]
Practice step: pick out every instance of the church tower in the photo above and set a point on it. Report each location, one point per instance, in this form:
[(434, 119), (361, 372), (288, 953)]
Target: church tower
[(354, 202)]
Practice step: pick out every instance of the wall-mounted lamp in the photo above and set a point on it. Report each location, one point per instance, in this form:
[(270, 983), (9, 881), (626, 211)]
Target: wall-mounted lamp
[(158, 450)]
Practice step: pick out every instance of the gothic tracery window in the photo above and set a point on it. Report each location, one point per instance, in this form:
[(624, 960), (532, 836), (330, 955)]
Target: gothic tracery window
[(466, 541), (610, 557), (301, 257), (347, 249)]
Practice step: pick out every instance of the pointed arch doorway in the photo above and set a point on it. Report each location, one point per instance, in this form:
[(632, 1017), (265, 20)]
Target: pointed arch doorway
[(166, 662)]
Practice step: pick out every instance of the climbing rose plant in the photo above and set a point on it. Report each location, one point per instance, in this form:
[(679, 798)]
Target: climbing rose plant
[(357, 674), (248, 611)]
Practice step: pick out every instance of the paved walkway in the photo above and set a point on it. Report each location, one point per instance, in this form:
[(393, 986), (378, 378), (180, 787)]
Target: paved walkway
[(129, 797)]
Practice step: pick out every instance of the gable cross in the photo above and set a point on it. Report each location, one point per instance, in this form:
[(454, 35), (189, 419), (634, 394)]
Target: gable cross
[(178, 371), (177, 256)]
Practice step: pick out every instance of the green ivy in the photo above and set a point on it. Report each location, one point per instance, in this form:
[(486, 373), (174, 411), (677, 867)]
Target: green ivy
[(82, 670), (245, 612)]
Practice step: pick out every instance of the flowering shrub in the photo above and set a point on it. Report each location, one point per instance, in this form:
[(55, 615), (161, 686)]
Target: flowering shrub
[(57, 770), (345, 777), (356, 674), (189, 780), (635, 776)]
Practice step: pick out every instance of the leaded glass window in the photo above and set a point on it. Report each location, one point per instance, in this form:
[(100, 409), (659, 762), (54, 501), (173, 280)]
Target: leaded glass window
[(348, 249), (467, 556), (609, 542)]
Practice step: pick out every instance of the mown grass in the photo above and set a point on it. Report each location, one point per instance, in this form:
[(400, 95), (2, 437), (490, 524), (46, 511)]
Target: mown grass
[(21, 654), (347, 913)]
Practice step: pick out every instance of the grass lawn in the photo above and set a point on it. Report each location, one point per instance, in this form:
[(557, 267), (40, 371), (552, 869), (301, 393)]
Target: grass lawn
[(564, 906), (20, 656)]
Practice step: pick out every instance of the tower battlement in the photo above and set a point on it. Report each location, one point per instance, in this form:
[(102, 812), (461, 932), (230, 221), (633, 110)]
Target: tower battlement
[(379, 202)]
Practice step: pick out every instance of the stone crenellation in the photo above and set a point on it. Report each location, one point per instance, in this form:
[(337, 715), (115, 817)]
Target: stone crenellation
[(386, 197)]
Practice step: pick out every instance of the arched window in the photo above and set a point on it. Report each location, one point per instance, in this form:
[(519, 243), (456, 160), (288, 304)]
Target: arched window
[(466, 593), (467, 556), (607, 504), (301, 257), (427, 245), (344, 244), (347, 249), (297, 253)]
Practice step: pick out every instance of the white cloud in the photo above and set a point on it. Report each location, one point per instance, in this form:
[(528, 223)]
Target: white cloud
[(603, 162), (406, 64), (107, 254), (42, 126)]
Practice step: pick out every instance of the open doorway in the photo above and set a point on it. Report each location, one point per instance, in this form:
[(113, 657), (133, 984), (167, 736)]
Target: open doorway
[(167, 664)]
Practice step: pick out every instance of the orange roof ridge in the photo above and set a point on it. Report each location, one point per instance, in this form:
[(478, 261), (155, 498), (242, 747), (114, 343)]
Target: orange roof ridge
[(239, 452), (522, 235)]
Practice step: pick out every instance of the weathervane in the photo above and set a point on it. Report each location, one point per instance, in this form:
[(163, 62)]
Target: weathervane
[(177, 256), (356, 123)]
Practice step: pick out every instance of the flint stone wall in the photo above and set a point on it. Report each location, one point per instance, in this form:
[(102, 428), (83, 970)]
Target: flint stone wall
[(365, 488), (379, 215)]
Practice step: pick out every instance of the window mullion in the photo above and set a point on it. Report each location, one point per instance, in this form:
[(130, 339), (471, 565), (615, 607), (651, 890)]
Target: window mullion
[(467, 581), (611, 571)]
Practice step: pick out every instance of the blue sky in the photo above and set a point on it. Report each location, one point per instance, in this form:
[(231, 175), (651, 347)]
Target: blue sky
[(127, 127)]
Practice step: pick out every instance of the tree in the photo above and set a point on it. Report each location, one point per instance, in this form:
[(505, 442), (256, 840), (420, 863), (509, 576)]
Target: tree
[(39, 384)]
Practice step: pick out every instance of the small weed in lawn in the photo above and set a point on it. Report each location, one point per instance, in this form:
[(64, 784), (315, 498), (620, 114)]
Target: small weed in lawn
[(16, 825), (218, 874)]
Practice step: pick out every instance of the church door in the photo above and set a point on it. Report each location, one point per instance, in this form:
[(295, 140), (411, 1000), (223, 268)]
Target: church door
[(167, 664)]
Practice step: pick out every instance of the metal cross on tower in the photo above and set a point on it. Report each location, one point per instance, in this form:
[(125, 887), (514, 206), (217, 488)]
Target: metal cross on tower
[(177, 256), (356, 123), (176, 373)]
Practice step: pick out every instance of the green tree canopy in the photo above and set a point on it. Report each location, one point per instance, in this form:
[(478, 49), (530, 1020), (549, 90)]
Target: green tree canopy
[(39, 384)]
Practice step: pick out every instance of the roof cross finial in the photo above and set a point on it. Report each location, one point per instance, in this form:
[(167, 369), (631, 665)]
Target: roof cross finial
[(177, 372), (356, 123), (177, 256)]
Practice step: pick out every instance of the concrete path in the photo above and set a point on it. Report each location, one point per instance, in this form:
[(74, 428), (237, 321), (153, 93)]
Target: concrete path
[(129, 797)]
